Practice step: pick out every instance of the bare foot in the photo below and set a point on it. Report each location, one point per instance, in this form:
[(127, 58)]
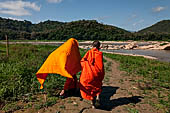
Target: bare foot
[(62, 93)]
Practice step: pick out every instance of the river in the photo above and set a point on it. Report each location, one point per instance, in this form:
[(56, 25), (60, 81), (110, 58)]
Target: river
[(161, 55)]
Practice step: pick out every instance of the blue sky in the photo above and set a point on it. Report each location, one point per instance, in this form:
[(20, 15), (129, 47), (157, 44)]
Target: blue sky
[(132, 15)]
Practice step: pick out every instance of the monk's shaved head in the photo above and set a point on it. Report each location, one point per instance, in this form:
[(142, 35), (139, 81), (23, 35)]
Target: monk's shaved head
[(96, 44)]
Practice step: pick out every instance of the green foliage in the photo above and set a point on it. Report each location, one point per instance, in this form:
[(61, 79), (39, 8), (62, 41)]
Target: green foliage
[(163, 44), (53, 84), (82, 52), (17, 73), (54, 30), (81, 30), (160, 27), (18, 79), (11, 107), (51, 101), (132, 110), (104, 60), (108, 66)]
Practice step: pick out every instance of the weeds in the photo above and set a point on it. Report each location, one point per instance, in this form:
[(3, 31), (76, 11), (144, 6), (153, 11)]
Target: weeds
[(17, 76), (108, 66), (158, 73), (132, 110), (11, 107)]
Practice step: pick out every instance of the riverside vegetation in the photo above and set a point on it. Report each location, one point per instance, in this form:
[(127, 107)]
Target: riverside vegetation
[(18, 83)]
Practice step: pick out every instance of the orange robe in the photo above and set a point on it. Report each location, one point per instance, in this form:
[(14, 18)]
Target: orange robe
[(92, 74), (65, 61), (71, 83)]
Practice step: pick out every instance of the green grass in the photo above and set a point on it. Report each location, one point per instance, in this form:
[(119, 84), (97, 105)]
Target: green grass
[(108, 66), (162, 44), (39, 40), (34, 40), (11, 107), (158, 73), (132, 110), (17, 73)]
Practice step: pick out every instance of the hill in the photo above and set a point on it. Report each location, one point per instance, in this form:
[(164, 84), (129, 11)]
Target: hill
[(162, 27), (55, 30)]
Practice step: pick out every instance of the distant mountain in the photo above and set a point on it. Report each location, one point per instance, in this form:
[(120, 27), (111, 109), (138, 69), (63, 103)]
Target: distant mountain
[(81, 30), (55, 30), (162, 27)]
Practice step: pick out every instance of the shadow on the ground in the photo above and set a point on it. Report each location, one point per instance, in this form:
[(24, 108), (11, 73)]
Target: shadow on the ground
[(107, 104)]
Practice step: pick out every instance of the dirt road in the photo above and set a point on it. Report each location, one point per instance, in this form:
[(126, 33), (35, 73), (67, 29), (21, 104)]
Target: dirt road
[(121, 94)]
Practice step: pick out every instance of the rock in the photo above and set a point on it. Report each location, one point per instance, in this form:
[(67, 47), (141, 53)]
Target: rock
[(131, 46)]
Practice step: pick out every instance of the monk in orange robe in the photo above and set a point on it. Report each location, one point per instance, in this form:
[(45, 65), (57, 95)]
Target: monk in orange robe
[(92, 73), (70, 87), (65, 61)]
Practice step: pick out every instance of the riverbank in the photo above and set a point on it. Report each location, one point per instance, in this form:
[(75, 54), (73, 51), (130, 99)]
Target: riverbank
[(115, 45), (148, 57), (108, 46)]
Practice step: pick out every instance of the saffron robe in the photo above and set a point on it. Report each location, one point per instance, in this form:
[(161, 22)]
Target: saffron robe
[(65, 61), (71, 83), (92, 74)]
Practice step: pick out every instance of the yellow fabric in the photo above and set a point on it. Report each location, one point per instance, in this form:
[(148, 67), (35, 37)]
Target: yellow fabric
[(41, 82), (65, 61)]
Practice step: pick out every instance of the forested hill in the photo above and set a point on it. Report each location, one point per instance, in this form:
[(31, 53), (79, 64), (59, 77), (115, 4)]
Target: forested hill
[(54, 30), (160, 27), (27, 26)]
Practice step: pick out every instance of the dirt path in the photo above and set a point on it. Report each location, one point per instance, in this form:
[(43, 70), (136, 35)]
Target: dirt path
[(121, 94)]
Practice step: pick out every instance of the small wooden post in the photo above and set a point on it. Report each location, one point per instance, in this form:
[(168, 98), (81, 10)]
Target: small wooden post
[(45, 98), (7, 46)]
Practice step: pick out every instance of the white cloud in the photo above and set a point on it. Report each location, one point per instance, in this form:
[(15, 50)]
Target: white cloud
[(54, 1), (139, 22), (17, 8), (15, 12), (158, 9), (14, 18)]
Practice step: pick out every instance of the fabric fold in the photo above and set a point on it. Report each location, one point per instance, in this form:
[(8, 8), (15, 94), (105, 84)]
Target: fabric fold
[(92, 74), (65, 61)]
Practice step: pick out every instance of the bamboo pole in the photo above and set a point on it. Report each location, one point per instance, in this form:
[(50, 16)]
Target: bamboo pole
[(7, 46)]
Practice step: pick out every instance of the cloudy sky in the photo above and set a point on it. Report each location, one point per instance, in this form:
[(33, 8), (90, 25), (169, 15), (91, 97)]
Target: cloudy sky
[(132, 15)]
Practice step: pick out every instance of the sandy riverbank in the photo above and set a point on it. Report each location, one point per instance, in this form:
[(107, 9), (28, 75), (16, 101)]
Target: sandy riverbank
[(149, 57)]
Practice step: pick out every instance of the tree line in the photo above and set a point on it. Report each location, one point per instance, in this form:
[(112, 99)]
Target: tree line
[(81, 30)]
